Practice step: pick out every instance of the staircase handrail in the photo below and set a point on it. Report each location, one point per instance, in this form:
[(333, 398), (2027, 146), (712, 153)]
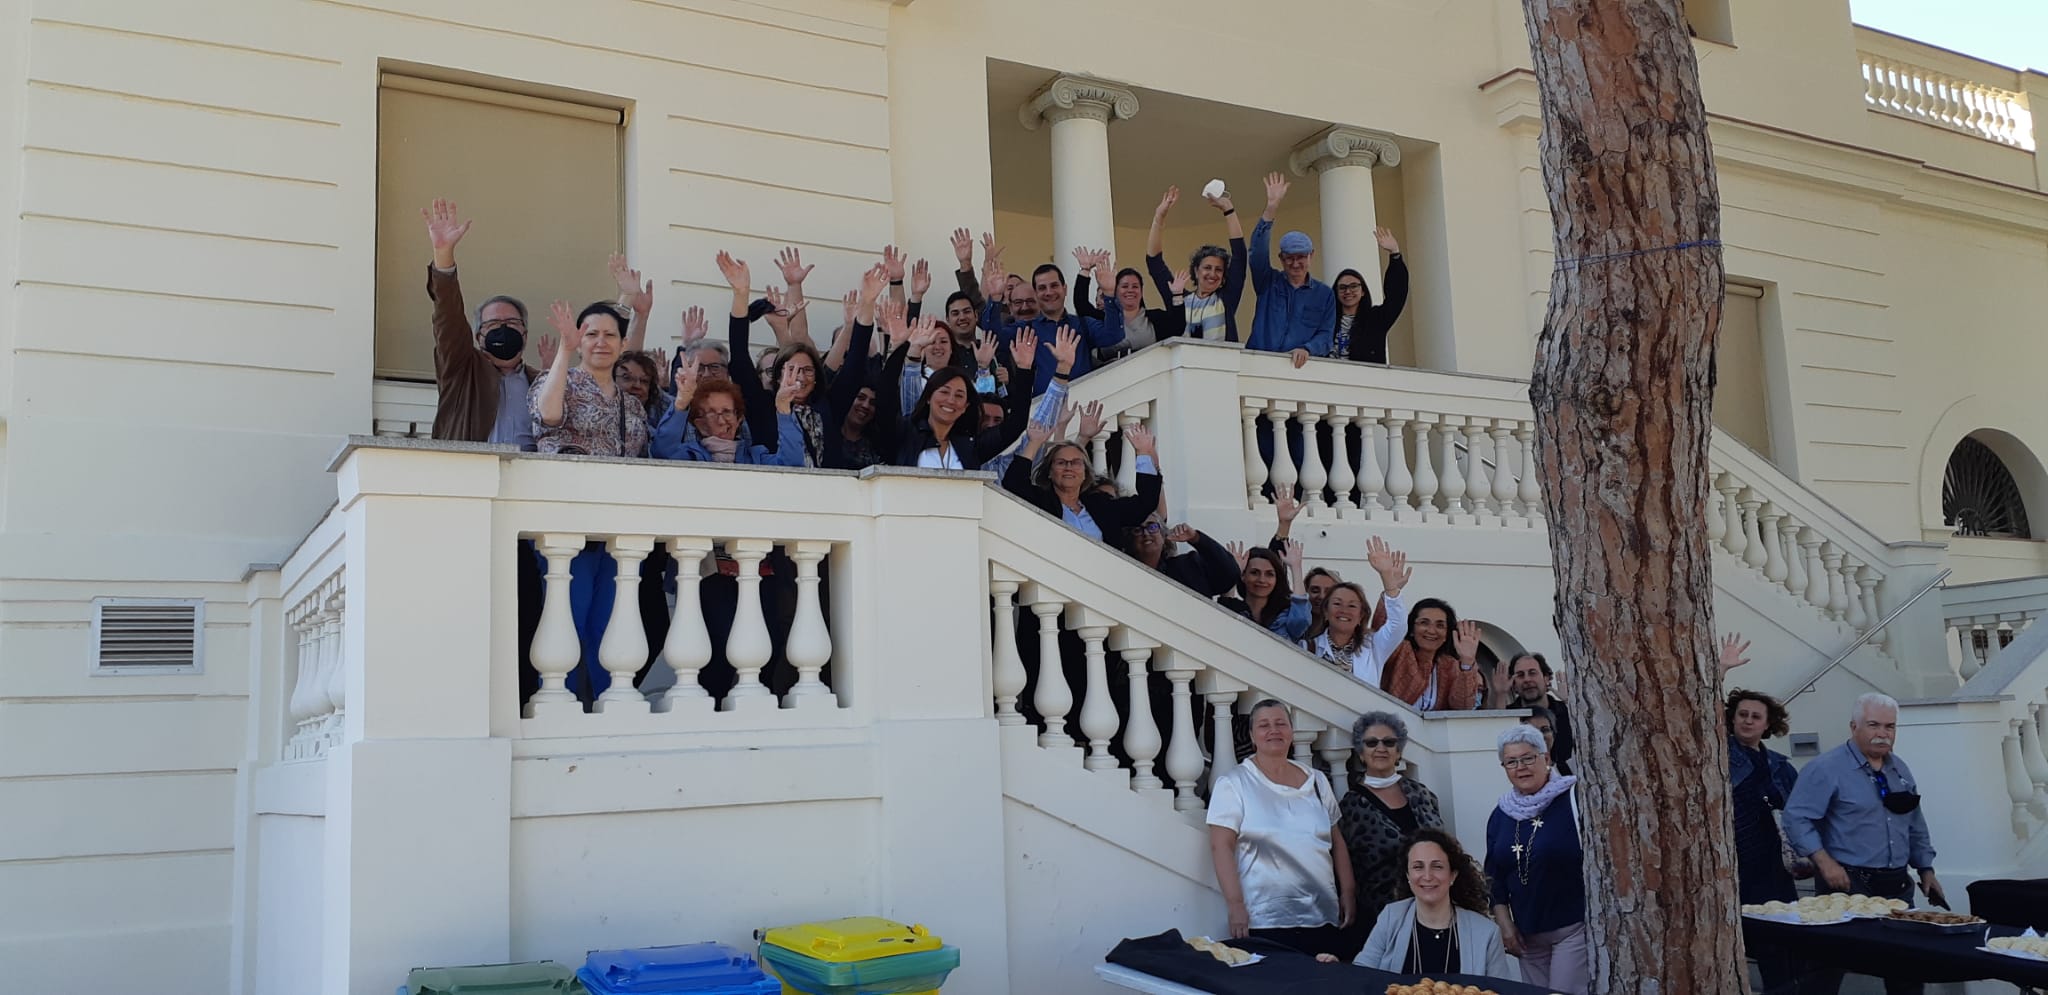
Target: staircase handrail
[(1865, 636)]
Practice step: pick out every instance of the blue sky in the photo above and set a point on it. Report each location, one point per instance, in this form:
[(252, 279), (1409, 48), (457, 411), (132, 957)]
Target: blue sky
[(2011, 32)]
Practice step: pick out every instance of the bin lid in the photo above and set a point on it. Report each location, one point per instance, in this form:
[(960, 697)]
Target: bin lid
[(691, 967), (927, 968), (540, 977), (852, 938)]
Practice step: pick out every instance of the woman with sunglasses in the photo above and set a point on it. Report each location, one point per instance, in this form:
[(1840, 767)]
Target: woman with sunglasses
[(1362, 326), (1534, 860), (1382, 809), (1207, 567)]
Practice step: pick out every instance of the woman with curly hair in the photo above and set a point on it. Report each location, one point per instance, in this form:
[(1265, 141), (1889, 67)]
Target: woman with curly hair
[(1762, 779), (1438, 927)]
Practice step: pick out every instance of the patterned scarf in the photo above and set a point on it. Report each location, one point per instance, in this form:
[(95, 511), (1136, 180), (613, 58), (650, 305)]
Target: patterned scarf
[(1519, 806)]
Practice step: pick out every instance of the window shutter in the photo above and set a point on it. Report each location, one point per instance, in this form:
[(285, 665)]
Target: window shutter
[(147, 635)]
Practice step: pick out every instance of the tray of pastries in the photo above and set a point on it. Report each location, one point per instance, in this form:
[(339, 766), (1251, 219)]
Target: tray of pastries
[(1933, 921), (1824, 910), (1429, 987), (2027, 946)]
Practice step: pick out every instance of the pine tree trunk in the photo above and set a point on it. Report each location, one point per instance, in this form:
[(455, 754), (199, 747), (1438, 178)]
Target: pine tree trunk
[(1622, 389)]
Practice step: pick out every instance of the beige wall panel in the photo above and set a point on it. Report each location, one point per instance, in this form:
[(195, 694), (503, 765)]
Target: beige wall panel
[(104, 124), (94, 254), (132, 192), (261, 337), (796, 162), (182, 960), (1947, 149), (851, 20), (777, 214), (178, 71), (116, 894), (52, 660), (67, 817), (41, 739), (177, 394)]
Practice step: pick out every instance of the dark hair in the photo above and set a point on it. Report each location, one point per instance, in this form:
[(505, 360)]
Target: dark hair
[(1315, 572), (1222, 255), (1450, 624), (922, 413), (604, 309), (1468, 889), (635, 357), (958, 295), (1277, 602), (1118, 279), (1538, 657), (791, 351), (1777, 721), (1540, 712), (1364, 624), (1044, 268), (1364, 301), (726, 387)]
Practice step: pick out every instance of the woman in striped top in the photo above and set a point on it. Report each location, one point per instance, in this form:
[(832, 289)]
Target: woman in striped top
[(1219, 274)]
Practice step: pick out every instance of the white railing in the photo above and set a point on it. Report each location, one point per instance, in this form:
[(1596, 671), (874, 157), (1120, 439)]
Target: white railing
[(317, 706), (2017, 677), (1933, 97), (1982, 619)]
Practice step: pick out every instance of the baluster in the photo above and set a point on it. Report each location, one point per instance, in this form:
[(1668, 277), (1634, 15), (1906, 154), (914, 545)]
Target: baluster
[(1098, 453), (1306, 729), (1221, 694), (1962, 637), (688, 646), (556, 649), (1451, 482), (1838, 597), (809, 647), (1098, 712), (1867, 580), (1006, 670), (1733, 539), (1052, 697), (747, 648), (1334, 746), (1752, 543), (1816, 573), (1281, 472), (1983, 641), (300, 706), (1313, 476), (1870, 84), (1795, 561), (1342, 479), (1184, 753), (1767, 530), (2036, 764), (2041, 729), (1852, 593), (623, 649), (1127, 471), (1530, 493), (1504, 482), (1141, 731), (1371, 478), (1717, 525), (1892, 93), (335, 699), (1425, 474), (1478, 482), (2018, 787), (1254, 464), (1400, 483)]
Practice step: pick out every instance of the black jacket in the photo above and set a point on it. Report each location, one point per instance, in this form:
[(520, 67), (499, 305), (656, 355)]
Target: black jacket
[(1369, 328), (909, 437), (1113, 515), (1208, 568)]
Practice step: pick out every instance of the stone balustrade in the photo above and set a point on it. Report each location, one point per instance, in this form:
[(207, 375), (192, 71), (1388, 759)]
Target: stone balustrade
[(1931, 96), (318, 702)]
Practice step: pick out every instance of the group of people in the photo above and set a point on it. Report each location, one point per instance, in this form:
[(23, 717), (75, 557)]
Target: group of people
[(1376, 878)]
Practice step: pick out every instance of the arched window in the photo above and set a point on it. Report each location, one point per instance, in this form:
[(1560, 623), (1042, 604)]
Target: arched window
[(1979, 496)]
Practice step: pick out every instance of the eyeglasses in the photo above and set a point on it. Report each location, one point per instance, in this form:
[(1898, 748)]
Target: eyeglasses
[(720, 415), (1069, 463), (711, 367), (1149, 528), (1522, 762), (519, 323), (803, 373), (630, 379), (1343, 287), (1374, 742)]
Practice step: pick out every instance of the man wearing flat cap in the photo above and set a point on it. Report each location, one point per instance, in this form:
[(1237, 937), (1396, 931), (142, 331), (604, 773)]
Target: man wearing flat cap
[(1296, 313)]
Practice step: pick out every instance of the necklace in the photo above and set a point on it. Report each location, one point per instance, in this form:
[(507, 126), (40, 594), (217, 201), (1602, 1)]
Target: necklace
[(1435, 935), (1523, 850)]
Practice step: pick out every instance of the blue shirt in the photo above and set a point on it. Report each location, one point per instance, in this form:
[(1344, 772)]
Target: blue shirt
[(1555, 895), (1288, 317), (1835, 807), (514, 424), (1044, 411), (1096, 333)]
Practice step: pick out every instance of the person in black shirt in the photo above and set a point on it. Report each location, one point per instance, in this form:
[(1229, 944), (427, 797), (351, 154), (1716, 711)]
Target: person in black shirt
[(1362, 326), (1528, 686)]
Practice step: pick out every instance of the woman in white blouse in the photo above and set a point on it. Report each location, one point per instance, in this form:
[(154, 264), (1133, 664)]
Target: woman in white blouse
[(1272, 833), (1342, 637)]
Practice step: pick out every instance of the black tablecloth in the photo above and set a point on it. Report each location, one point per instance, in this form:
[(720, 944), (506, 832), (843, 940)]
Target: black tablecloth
[(1284, 969), (1869, 946), (2012, 902)]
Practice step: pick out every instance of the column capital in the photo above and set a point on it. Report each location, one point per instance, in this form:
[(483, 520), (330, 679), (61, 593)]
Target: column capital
[(1340, 145), (1078, 96)]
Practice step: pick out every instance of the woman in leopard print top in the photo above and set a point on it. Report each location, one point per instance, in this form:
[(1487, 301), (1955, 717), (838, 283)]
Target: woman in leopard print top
[(1378, 814)]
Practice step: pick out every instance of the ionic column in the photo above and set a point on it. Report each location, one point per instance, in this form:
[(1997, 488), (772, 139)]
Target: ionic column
[(1080, 109), (1342, 158)]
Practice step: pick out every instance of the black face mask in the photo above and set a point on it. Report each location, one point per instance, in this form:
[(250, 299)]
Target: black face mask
[(504, 342), (1901, 802)]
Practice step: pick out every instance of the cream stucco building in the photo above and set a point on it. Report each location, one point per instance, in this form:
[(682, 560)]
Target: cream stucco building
[(260, 728)]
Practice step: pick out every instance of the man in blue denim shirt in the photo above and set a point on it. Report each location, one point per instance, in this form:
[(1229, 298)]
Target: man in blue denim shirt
[(1297, 313), (1049, 292)]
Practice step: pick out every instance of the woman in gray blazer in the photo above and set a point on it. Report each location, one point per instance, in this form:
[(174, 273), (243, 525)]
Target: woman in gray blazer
[(1442, 926)]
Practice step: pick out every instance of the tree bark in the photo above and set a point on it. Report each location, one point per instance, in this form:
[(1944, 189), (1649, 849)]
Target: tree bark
[(1622, 389)]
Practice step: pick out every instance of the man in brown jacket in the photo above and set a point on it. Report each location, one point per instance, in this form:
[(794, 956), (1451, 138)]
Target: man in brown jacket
[(481, 374)]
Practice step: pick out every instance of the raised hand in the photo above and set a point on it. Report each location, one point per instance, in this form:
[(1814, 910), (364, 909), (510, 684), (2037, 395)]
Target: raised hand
[(1066, 344), (1024, 348), (893, 262), (780, 311), (1035, 435), (849, 304), (1166, 202), (1385, 238), (1276, 189), (1734, 651), (1181, 282), (694, 327), (1498, 693), (872, 282), (637, 296), (1238, 552), (1390, 563), (1290, 554), (1082, 256), (889, 317), (786, 389), (661, 378), (1142, 441), (1063, 419), (547, 346), (1466, 641), (922, 334), (984, 348), (444, 227), (1181, 533), (1221, 202), (686, 381), (791, 262), (1091, 421), (994, 277), (735, 270), (1285, 507), (920, 279), (564, 322), (963, 248)]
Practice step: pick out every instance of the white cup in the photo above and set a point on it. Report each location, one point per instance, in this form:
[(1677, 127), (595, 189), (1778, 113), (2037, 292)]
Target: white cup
[(1213, 190)]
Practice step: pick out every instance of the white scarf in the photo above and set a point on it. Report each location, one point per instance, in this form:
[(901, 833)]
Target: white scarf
[(1381, 782), (1519, 806)]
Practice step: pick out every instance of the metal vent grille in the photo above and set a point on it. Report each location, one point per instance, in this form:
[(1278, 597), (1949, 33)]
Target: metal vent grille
[(147, 635), (1979, 496)]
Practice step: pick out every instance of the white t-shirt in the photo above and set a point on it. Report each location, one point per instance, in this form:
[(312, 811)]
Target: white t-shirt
[(935, 459), (1283, 845)]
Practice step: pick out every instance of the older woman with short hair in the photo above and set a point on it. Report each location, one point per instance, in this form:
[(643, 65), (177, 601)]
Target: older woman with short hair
[(1381, 810), (1534, 859), (1280, 860)]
